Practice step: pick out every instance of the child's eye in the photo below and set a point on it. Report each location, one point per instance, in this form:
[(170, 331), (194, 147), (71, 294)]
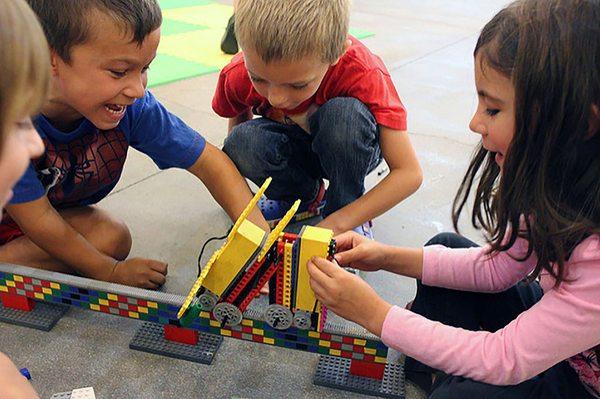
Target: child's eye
[(118, 74), (492, 112), (256, 80), (299, 87)]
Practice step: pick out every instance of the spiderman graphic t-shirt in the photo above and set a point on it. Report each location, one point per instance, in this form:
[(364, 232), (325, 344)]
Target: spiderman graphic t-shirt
[(82, 166)]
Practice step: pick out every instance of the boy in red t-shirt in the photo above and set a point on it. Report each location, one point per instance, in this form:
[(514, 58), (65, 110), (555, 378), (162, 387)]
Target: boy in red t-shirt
[(328, 108)]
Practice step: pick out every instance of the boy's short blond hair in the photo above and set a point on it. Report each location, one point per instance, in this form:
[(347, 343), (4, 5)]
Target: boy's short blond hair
[(24, 64), (292, 29)]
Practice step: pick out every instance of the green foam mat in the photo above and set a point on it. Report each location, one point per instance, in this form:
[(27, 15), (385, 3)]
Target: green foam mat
[(190, 40)]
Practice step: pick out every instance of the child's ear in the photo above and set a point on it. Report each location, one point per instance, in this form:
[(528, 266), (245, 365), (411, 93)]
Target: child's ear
[(54, 61), (347, 45)]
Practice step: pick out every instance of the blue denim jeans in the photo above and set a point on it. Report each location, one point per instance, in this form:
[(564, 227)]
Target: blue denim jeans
[(343, 147)]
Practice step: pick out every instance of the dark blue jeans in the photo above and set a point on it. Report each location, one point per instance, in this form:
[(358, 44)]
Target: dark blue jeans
[(343, 147), (482, 311)]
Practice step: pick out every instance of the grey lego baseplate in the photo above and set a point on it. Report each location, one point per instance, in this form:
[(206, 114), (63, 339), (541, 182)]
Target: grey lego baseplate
[(43, 316), (149, 338), (334, 372)]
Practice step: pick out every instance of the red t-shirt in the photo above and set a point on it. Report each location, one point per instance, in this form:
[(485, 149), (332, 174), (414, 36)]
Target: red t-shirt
[(359, 74)]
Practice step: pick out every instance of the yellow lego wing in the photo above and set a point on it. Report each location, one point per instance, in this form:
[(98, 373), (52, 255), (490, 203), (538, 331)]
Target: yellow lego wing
[(198, 283), (278, 230), (248, 208)]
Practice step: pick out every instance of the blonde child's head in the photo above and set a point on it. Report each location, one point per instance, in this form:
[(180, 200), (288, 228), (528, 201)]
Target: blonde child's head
[(24, 69), (536, 72), (24, 83), (292, 29)]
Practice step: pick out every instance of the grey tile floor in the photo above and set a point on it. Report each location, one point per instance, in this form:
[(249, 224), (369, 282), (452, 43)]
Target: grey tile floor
[(427, 45)]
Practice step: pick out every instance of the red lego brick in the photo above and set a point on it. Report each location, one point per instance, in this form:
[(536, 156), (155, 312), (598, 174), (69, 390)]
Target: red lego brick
[(19, 302), (367, 369), (180, 334)]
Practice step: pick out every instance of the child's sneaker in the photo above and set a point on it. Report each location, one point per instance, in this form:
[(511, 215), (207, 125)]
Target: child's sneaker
[(273, 211), (365, 229)]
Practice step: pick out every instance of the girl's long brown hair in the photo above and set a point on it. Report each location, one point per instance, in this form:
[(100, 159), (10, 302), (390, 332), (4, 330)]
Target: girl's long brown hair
[(549, 189)]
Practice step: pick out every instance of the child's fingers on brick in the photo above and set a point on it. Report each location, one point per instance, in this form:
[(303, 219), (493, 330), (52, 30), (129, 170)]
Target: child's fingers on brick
[(345, 241), (160, 267), (327, 267), (158, 279)]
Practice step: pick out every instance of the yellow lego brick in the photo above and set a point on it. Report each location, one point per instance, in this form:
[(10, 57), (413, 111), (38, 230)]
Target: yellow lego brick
[(206, 315), (94, 307), (248, 208), (3, 288), (214, 323), (46, 290), (224, 332), (236, 254), (143, 309), (55, 286), (10, 283), (379, 359), (217, 254), (360, 342), (258, 331), (113, 297), (103, 302), (38, 295), (314, 242), (269, 341), (18, 278), (287, 274), (247, 323), (134, 315), (153, 305), (335, 352), (326, 344), (274, 235), (314, 334), (370, 351)]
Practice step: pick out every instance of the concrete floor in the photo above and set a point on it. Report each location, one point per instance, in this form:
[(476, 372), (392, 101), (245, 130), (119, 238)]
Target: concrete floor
[(427, 45)]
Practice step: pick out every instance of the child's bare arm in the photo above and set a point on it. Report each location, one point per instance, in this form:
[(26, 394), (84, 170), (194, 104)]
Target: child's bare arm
[(404, 179), (243, 117), (47, 229), (227, 186)]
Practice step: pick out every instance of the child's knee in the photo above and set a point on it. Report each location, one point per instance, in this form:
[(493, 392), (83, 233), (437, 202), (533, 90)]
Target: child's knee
[(441, 239), (344, 122), (113, 238)]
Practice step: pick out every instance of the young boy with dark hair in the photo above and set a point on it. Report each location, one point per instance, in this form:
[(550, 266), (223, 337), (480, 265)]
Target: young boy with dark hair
[(98, 107), (328, 108)]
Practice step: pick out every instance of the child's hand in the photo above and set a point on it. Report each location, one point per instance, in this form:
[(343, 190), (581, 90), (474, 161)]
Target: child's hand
[(347, 295), (139, 272), (359, 252)]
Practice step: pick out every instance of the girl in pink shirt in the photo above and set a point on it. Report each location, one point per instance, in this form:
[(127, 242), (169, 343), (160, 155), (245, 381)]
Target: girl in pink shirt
[(519, 317)]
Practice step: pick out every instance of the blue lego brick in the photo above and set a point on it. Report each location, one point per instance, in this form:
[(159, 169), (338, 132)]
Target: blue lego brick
[(43, 317), (149, 338), (334, 372)]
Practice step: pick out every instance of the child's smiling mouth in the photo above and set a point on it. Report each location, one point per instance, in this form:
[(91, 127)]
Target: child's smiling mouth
[(115, 111)]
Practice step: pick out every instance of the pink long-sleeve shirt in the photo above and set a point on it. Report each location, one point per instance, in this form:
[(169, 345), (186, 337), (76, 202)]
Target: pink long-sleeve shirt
[(564, 324)]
